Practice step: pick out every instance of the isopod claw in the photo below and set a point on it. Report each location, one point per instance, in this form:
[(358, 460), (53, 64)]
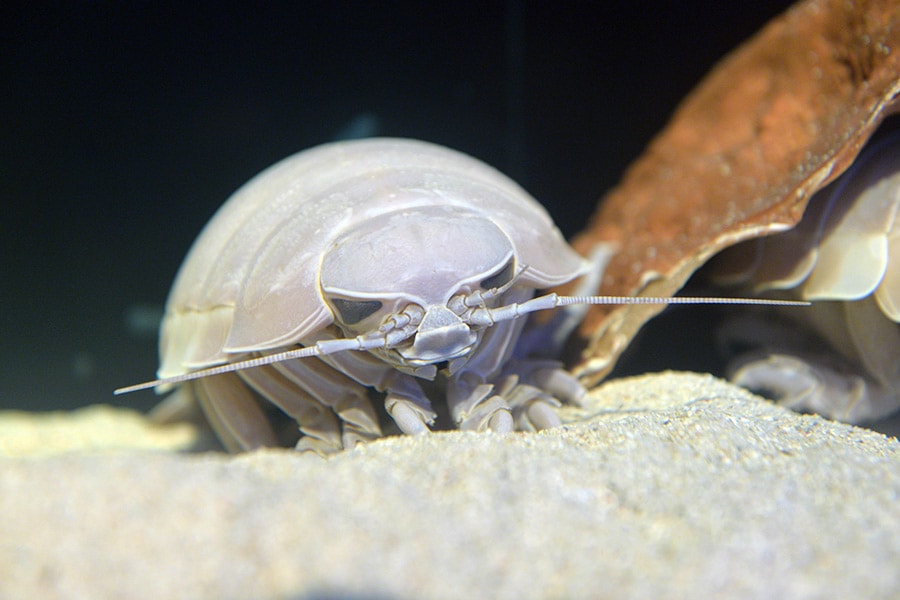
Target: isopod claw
[(501, 422), (559, 383), (410, 417), (491, 415), (542, 415), (478, 414)]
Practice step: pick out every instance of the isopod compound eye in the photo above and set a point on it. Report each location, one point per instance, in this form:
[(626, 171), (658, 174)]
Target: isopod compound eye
[(501, 278), (354, 311)]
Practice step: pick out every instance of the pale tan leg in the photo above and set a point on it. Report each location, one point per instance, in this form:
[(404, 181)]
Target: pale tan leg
[(532, 408), (407, 404), (404, 400), (476, 406), (497, 392), (233, 413), (320, 426), (540, 388), (344, 396), (805, 385), (180, 405), (850, 373)]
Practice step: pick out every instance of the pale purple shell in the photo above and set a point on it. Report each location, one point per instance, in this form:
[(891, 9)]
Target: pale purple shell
[(251, 280)]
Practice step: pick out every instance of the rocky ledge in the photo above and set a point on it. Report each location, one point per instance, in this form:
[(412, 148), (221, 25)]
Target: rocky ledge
[(673, 485)]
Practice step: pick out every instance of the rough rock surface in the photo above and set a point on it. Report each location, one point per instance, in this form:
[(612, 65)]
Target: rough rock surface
[(674, 485)]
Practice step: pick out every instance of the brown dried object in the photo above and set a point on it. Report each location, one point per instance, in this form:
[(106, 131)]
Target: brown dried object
[(772, 124)]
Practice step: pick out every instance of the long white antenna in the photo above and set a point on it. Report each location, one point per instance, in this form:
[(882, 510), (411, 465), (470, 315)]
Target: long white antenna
[(226, 368), (480, 317), (488, 316), (322, 347)]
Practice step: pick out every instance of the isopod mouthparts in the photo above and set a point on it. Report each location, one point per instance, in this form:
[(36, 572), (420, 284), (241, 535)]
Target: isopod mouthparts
[(370, 264)]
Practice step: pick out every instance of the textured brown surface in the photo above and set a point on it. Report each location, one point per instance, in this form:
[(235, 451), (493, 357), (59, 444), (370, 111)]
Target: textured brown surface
[(773, 122)]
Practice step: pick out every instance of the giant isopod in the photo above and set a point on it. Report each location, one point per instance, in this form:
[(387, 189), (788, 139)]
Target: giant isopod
[(373, 267)]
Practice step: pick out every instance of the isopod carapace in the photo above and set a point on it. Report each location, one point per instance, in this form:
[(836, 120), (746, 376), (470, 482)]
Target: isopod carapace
[(351, 219), (350, 238), (371, 267)]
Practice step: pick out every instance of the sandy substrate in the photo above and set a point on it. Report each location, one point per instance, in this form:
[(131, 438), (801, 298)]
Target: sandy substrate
[(672, 485)]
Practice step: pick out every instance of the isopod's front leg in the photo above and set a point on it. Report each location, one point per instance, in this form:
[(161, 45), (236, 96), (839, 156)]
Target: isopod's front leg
[(540, 387), (493, 391), (407, 404), (526, 401), (319, 425), (336, 391), (404, 400), (472, 399), (476, 405)]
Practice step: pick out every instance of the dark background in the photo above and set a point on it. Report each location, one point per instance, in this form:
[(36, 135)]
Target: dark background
[(125, 125)]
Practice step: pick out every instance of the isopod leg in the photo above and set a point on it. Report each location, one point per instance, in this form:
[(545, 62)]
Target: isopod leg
[(404, 400), (532, 407), (233, 413), (845, 365), (550, 377), (407, 404), (542, 386), (347, 398), (526, 402), (408, 416), (320, 426), (529, 390), (805, 385), (475, 405)]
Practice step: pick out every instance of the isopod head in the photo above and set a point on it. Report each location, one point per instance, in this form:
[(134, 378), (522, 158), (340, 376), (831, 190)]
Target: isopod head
[(372, 273)]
